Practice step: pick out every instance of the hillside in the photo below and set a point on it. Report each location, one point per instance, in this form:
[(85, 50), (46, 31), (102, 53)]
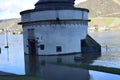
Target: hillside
[(97, 8), (110, 23), (11, 25), (102, 13)]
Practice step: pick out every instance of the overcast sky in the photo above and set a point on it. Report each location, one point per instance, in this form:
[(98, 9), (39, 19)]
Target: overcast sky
[(12, 8)]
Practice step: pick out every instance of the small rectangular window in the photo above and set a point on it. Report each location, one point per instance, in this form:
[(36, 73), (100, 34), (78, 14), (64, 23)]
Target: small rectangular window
[(42, 47), (58, 49)]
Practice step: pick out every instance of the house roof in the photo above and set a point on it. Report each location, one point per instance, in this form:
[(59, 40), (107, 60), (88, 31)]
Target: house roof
[(43, 4)]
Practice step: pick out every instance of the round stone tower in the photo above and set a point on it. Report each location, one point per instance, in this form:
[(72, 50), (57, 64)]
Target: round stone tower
[(54, 31), (54, 27)]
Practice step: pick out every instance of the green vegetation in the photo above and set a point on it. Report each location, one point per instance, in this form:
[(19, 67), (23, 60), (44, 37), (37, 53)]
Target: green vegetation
[(93, 67), (19, 78), (105, 21)]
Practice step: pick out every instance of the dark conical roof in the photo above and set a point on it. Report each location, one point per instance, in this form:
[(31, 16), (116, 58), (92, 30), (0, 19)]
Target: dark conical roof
[(43, 4)]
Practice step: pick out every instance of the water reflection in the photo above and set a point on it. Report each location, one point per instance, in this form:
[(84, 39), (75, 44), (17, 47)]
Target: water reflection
[(39, 66), (89, 58), (53, 72), (111, 58)]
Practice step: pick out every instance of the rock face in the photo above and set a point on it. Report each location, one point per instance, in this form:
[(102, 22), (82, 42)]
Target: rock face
[(101, 7)]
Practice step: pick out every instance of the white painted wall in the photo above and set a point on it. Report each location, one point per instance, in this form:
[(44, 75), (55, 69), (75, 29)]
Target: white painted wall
[(66, 35), (53, 14), (85, 15), (25, 39)]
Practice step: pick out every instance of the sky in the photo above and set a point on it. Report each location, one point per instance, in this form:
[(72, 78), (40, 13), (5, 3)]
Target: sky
[(12, 8)]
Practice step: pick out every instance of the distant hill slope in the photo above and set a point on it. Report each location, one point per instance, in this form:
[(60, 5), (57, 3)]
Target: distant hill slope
[(98, 8), (102, 7), (11, 25), (108, 22)]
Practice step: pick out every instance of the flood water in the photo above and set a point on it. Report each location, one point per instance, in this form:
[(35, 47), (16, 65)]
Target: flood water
[(12, 59), (110, 42)]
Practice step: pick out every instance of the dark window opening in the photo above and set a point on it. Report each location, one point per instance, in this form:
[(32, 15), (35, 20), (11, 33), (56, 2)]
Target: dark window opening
[(83, 43), (31, 34), (42, 47), (58, 49)]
